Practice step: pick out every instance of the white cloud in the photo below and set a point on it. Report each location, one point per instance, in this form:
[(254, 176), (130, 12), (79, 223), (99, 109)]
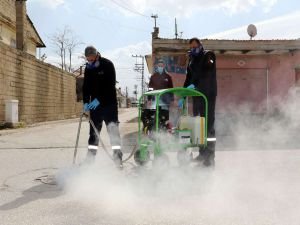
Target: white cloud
[(183, 8), (124, 63), (283, 27), (53, 4)]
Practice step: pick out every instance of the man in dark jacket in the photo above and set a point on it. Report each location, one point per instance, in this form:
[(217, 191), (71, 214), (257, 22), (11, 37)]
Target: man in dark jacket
[(161, 80), (100, 99), (201, 75)]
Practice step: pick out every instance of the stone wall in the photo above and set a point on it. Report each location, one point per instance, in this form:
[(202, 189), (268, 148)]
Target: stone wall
[(44, 91)]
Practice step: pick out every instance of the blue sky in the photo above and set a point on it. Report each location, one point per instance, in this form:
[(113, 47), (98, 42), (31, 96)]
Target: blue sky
[(120, 28)]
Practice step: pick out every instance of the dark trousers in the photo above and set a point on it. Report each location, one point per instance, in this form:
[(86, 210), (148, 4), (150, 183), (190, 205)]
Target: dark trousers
[(108, 114), (199, 110)]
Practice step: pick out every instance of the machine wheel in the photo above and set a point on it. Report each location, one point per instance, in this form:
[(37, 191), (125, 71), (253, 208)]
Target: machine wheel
[(138, 159), (184, 157), (161, 161)]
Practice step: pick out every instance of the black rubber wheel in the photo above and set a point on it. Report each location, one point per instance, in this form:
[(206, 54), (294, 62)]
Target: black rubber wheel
[(138, 160)]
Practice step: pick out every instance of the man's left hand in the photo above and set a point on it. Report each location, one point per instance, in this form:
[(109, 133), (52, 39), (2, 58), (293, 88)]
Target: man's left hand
[(94, 104), (191, 86)]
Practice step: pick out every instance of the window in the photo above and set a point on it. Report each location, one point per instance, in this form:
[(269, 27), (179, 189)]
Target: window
[(13, 43)]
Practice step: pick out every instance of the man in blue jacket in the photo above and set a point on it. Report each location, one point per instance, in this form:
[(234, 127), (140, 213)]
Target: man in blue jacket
[(100, 99)]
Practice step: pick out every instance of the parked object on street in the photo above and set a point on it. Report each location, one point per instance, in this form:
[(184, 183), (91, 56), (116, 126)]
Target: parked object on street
[(189, 132)]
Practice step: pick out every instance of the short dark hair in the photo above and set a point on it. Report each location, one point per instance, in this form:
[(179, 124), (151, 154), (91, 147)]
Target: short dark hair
[(90, 50), (196, 40)]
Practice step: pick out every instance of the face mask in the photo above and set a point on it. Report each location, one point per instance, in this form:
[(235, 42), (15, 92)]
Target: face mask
[(196, 51), (160, 69), (92, 64)]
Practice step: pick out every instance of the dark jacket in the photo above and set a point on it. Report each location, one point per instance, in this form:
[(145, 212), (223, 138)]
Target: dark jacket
[(100, 83), (160, 81), (201, 72)]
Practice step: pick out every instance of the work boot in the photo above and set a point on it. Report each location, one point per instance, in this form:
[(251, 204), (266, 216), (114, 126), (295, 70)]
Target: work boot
[(200, 157), (206, 156), (210, 162), (209, 157), (117, 157), (90, 156)]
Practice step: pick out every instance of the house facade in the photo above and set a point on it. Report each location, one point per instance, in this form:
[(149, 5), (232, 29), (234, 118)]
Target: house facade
[(17, 29), (253, 73)]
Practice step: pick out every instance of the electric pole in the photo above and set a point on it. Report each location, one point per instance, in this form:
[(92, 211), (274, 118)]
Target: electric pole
[(126, 96), (181, 33), (139, 67), (155, 18), (135, 91), (176, 33)]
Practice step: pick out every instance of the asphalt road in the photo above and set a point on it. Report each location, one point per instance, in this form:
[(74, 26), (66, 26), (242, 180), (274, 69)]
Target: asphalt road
[(39, 184)]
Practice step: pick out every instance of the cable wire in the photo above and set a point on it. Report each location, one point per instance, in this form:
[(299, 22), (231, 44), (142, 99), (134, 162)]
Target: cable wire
[(129, 9)]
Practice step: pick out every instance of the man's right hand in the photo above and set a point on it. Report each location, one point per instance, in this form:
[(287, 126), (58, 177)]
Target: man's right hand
[(85, 107), (180, 103)]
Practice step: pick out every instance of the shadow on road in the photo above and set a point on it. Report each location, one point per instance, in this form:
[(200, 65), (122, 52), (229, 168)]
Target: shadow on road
[(129, 141), (41, 191)]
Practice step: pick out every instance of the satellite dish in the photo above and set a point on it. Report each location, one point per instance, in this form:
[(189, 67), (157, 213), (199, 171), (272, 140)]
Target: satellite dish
[(252, 31)]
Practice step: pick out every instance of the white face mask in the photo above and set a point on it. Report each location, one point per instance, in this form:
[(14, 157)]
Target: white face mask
[(160, 69)]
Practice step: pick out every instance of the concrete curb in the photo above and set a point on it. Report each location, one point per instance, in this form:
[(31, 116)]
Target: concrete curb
[(9, 131)]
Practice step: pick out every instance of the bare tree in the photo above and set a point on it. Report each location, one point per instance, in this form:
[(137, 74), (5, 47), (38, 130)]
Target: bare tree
[(72, 44), (65, 42)]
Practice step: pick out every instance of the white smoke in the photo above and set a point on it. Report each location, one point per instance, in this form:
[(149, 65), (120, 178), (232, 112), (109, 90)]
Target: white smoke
[(246, 187), (276, 129)]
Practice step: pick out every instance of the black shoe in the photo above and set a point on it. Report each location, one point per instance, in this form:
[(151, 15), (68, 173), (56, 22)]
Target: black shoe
[(90, 156), (117, 157), (209, 163), (199, 158)]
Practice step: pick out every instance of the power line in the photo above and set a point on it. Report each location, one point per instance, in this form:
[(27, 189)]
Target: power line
[(129, 9), (121, 25)]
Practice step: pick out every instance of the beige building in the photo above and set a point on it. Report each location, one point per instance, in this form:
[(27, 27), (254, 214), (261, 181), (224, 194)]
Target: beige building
[(44, 92), (16, 28)]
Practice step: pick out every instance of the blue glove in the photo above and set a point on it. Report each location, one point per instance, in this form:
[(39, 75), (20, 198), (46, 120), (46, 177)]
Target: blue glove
[(85, 107), (180, 103), (191, 86), (94, 104)]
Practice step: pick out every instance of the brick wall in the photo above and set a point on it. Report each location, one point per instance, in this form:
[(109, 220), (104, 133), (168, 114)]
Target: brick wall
[(7, 9), (44, 91)]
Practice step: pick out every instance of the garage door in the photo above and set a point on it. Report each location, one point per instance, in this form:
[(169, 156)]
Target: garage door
[(242, 89)]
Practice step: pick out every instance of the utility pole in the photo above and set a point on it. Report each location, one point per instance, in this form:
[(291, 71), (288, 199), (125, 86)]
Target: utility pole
[(139, 67), (155, 18), (135, 91), (126, 96), (176, 33), (181, 33)]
